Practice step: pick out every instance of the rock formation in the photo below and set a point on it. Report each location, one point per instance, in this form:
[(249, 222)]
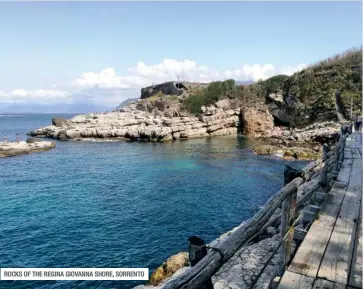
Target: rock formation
[(169, 267), (58, 121), (132, 123), (288, 152), (256, 122), (10, 149)]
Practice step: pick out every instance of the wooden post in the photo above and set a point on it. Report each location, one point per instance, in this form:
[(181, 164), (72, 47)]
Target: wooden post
[(336, 163), (290, 173), (324, 171), (325, 150), (197, 251), (324, 176), (341, 147), (287, 219)]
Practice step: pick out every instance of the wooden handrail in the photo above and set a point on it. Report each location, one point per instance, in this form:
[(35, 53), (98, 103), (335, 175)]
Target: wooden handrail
[(196, 276)]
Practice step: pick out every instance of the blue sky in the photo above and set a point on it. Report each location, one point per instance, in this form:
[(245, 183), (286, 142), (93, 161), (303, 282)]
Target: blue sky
[(48, 46)]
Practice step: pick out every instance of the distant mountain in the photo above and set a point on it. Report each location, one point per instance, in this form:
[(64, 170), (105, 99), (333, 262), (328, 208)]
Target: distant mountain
[(54, 108), (126, 102)]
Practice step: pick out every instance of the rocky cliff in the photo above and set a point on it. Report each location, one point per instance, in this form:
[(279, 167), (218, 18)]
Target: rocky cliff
[(313, 100), (135, 124)]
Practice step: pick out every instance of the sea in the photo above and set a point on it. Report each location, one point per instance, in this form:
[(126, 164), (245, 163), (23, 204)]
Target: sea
[(123, 204)]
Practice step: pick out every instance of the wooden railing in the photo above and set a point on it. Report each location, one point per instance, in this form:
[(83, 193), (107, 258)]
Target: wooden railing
[(199, 275)]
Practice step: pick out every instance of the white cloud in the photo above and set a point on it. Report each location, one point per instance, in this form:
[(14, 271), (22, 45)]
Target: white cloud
[(170, 69), (41, 95), (289, 70), (108, 78), (107, 86)]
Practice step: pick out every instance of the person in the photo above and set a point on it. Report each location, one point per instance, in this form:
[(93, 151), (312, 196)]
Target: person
[(17, 138), (5, 139), (359, 125)]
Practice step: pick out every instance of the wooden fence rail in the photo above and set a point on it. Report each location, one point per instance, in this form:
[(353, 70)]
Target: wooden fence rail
[(199, 274)]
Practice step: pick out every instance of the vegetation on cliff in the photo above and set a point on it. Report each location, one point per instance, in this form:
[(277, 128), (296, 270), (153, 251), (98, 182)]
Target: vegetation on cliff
[(316, 90), (317, 86), (211, 94)]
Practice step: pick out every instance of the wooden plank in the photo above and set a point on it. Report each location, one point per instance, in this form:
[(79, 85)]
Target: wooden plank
[(355, 275), (337, 258), (348, 153), (291, 280), (354, 191), (356, 154), (325, 284), (345, 170), (331, 206), (287, 218), (310, 253)]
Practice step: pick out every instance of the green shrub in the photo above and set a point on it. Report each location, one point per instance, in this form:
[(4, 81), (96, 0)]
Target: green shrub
[(215, 91), (193, 103)]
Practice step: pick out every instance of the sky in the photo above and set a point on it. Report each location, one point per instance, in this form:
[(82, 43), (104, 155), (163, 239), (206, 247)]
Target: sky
[(104, 52)]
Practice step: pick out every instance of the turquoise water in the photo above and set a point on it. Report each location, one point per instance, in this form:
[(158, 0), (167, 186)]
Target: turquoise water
[(122, 204)]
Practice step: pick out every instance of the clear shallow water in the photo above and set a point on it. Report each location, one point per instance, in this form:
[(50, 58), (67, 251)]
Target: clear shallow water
[(123, 204)]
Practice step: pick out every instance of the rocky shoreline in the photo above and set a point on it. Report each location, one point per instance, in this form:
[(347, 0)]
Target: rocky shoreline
[(241, 270), (134, 124), (9, 149), (222, 118), (286, 152)]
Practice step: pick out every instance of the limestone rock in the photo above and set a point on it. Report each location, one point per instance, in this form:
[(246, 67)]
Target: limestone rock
[(10, 149), (168, 268), (31, 140), (256, 122), (302, 153), (58, 121)]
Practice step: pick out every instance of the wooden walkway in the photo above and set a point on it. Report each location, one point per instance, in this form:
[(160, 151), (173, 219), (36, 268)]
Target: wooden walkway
[(330, 256)]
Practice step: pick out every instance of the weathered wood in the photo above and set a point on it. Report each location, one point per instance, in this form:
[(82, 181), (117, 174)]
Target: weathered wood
[(354, 191), (291, 280), (337, 258), (197, 275), (355, 275), (324, 176), (325, 284), (290, 173), (287, 219), (325, 151), (308, 257), (299, 234), (313, 164), (314, 208), (354, 195), (308, 216), (356, 154), (336, 164), (283, 228), (331, 206), (197, 251), (309, 192), (344, 172), (275, 282), (276, 220)]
